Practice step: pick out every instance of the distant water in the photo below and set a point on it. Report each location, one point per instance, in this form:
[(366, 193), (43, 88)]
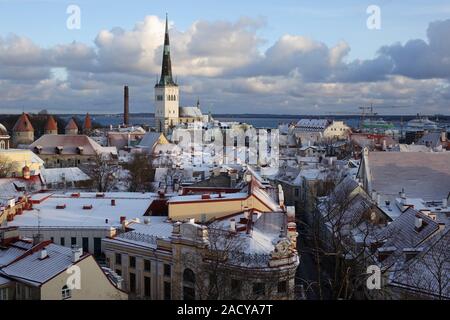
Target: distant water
[(257, 122)]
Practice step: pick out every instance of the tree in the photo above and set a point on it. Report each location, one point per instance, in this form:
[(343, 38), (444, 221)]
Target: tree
[(345, 225), (141, 173), (103, 172), (5, 167), (225, 270)]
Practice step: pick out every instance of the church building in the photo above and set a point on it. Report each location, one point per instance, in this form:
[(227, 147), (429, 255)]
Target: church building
[(168, 112)]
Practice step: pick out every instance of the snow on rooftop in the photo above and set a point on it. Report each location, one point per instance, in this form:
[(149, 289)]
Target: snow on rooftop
[(214, 197), (421, 174), (35, 271), (130, 205)]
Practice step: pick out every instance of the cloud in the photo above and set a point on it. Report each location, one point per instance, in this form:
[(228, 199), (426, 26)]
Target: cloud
[(222, 63)]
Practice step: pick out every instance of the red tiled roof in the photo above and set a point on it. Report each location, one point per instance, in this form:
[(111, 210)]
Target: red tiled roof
[(72, 125), (51, 124), (23, 124)]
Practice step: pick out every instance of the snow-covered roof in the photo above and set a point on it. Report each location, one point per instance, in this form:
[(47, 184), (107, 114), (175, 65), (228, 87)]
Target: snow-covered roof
[(57, 175), (421, 174), (130, 205), (145, 234), (70, 143), (312, 124), (212, 197), (190, 112), (35, 271)]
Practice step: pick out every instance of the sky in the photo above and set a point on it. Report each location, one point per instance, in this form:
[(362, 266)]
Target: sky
[(284, 57)]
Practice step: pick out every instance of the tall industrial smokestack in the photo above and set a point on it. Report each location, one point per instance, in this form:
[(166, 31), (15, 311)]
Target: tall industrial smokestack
[(126, 109)]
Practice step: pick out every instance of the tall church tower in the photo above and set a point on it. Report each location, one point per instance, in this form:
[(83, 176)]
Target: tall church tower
[(166, 92)]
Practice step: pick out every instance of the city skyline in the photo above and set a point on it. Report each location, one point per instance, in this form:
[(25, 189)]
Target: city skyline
[(233, 62)]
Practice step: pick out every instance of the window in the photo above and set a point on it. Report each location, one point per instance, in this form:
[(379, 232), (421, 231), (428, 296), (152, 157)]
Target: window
[(85, 244), (188, 276), (167, 270), (119, 272), (66, 293), (132, 282), (4, 294), (132, 261), (259, 288), (147, 287), (118, 258), (297, 192), (282, 287), (147, 265), (73, 241), (167, 291), (188, 284), (235, 286), (97, 247), (63, 241)]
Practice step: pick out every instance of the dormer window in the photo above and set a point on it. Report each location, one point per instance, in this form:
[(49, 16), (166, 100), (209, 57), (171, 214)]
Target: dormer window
[(38, 149), (80, 150), (59, 149)]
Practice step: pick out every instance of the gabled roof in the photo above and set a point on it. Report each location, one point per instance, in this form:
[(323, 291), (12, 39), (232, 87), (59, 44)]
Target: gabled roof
[(429, 271), (23, 124), (151, 139), (70, 143), (32, 270), (401, 233)]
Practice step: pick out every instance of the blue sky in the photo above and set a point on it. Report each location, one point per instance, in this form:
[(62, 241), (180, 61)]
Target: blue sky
[(328, 21), (325, 22)]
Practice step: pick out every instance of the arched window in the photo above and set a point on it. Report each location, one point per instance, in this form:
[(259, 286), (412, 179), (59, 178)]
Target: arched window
[(188, 284), (66, 293), (2, 144), (188, 276)]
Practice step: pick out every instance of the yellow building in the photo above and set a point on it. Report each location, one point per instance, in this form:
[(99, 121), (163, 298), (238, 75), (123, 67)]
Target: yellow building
[(15, 160)]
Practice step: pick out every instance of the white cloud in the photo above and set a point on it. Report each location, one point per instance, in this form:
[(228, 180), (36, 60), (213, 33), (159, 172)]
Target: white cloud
[(221, 62)]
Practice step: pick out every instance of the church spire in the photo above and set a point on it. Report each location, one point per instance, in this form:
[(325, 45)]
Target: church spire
[(166, 71)]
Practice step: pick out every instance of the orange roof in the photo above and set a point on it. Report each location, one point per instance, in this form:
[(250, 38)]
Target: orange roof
[(51, 124), (72, 125), (23, 124), (87, 122)]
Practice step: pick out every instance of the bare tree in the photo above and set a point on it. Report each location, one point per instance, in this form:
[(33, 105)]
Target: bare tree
[(344, 226), (141, 173), (427, 274), (226, 272), (5, 167), (103, 172)]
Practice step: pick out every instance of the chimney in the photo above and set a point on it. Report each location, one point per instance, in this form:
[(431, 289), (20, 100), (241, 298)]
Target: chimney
[(43, 254), (418, 223), (126, 109), (76, 254), (233, 225), (443, 136), (113, 202)]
